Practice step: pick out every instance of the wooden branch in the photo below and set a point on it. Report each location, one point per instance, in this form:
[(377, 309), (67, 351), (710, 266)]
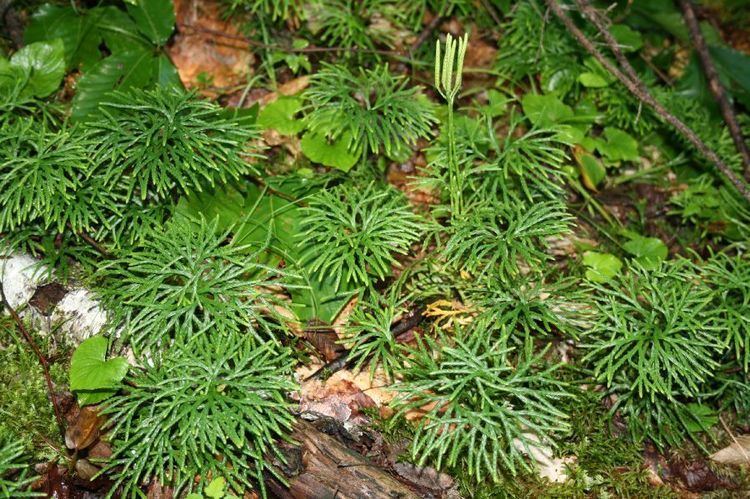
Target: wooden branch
[(636, 87), (321, 466), (434, 23), (42, 360), (714, 83)]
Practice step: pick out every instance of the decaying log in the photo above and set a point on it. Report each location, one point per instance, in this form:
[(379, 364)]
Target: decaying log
[(323, 467)]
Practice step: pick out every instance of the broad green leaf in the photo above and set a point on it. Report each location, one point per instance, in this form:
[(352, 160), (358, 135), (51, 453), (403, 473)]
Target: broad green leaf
[(118, 30), (619, 146), (648, 251), (166, 72), (592, 170), (570, 134), (627, 38), (155, 19), (601, 266), (335, 154), (592, 80), (733, 66), (90, 371), (116, 72), (316, 298), (280, 115), (44, 63), (215, 489), (700, 418), (545, 110), (497, 103), (223, 202), (91, 397), (79, 33)]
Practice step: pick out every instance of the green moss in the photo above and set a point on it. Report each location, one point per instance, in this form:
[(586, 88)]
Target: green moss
[(25, 408), (606, 465)]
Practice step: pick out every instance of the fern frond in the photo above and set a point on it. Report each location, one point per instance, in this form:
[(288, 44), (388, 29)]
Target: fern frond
[(185, 280), (354, 233), (211, 407), (42, 175), (374, 106), (498, 237), (656, 330), (149, 143), (486, 405), (368, 334)]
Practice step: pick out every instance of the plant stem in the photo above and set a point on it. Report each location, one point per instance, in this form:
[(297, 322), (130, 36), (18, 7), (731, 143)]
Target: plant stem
[(40, 356), (455, 180), (636, 87)]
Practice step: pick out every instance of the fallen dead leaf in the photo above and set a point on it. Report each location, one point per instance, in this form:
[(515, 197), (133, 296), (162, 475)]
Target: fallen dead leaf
[(737, 453), (554, 469), (84, 429), (198, 50), (344, 394)]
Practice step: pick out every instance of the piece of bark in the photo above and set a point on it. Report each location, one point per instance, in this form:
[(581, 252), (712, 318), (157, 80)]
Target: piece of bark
[(322, 467)]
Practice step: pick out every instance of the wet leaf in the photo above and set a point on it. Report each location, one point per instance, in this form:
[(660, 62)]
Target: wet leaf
[(601, 266)]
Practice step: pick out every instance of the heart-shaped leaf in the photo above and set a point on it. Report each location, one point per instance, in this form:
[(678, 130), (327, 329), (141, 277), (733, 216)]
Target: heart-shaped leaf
[(91, 372), (335, 154), (602, 266)]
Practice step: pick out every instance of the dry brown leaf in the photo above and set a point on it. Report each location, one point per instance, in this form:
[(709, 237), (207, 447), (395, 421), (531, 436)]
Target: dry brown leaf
[(737, 453), (84, 430), (479, 54), (292, 87), (344, 394), (197, 49)]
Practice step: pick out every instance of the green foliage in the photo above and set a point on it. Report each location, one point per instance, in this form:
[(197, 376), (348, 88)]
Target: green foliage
[(38, 67), (601, 267), (14, 479), (532, 160), (529, 306), (187, 280), (359, 23), (374, 106), (92, 377), (487, 403), (533, 43), (729, 277), (275, 10), (25, 409), (212, 407), (448, 77), (368, 334), (149, 143), (42, 178), (134, 46), (654, 345), (497, 237), (353, 233)]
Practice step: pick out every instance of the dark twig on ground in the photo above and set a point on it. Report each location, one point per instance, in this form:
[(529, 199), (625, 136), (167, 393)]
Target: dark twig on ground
[(636, 86), (40, 356), (406, 324), (714, 83), (94, 244), (426, 32)]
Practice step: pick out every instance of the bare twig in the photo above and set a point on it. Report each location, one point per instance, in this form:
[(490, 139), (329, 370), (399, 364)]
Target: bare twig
[(400, 328), (714, 83), (42, 360), (303, 50), (434, 23), (93, 243), (636, 87)]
